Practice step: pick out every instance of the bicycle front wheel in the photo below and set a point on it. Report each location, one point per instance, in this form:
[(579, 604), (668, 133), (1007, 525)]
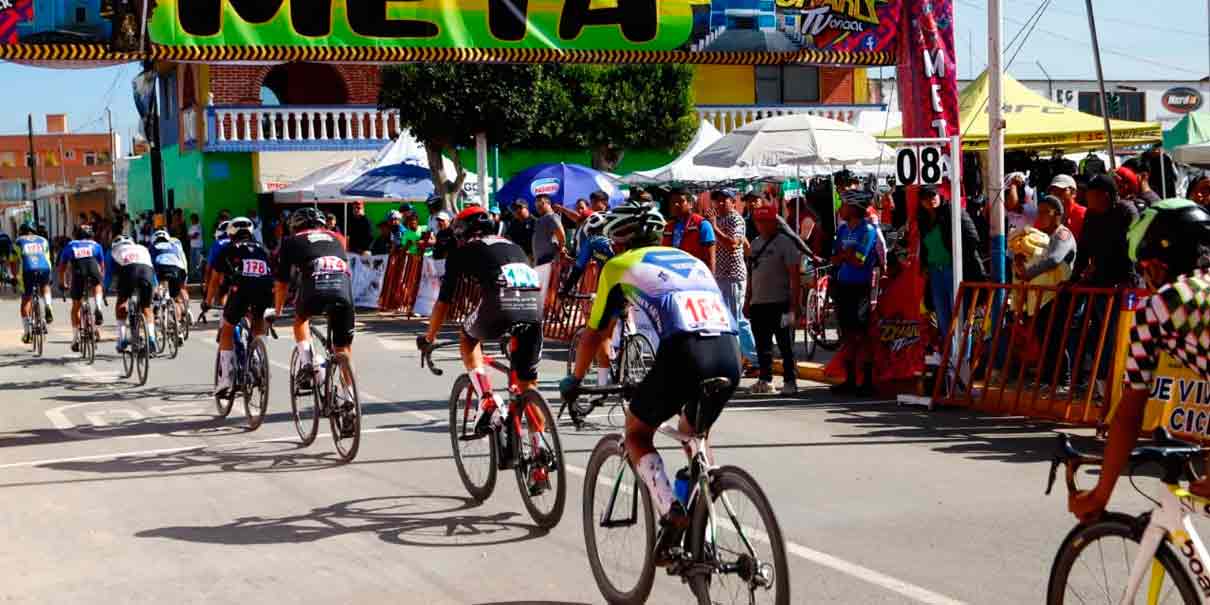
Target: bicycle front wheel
[(474, 454), (344, 407), (619, 526), (39, 327), (172, 325), (184, 324), (540, 466), (127, 356), (256, 390), (741, 541), (1093, 566), (303, 404), (141, 346), (810, 335), (222, 404)]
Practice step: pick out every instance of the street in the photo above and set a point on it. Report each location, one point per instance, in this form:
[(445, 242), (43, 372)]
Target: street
[(117, 493)]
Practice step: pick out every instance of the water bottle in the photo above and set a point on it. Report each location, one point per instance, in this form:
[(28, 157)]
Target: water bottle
[(683, 486)]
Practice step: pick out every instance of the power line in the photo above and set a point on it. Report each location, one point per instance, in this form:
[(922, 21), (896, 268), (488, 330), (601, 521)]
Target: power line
[(1133, 23)]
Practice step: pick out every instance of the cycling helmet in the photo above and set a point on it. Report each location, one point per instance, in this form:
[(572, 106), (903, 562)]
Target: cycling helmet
[(240, 226), (595, 223), (121, 240), (473, 222), (25, 229), (160, 236), (634, 225), (83, 232), (1174, 232), (306, 218), (221, 232)]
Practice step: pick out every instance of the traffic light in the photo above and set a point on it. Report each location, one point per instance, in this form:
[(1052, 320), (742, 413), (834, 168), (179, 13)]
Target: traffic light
[(1115, 105)]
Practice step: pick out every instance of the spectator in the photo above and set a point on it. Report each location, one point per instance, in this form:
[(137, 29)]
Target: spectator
[(196, 243), (257, 228), (442, 242), (1199, 189), (331, 224), (937, 253), (773, 301), (1063, 187), (1060, 257), (850, 290), (1020, 209), (1130, 188), (598, 201), (730, 270), (688, 230), (395, 229), (361, 234), (521, 228), (549, 242), (178, 228), (1161, 171), (413, 234), (385, 240)]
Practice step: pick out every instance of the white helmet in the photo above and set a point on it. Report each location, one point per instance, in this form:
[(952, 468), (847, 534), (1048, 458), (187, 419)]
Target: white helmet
[(121, 240), (240, 225), (160, 235), (595, 223), (222, 229)]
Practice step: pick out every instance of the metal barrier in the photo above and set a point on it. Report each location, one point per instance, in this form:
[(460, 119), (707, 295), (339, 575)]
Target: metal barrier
[(567, 314), (401, 282), (1016, 358)]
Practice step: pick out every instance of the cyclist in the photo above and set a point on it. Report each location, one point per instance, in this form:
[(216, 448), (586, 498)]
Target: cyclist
[(1170, 241), (698, 341), (325, 286), (212, 292), (87, 262), (509, 305), (136, 274), (7, 272), (244, 263), (171, 267), (34, 253)]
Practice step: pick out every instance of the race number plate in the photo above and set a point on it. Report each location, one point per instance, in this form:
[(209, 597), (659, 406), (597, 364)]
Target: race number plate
[(254, 267), (519, 276), (702, 311)]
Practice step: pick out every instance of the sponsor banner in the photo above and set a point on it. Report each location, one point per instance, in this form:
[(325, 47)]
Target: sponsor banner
[(842, 25), (431, 273), (1182, 99), (13, 12), (367, 275), (1179, 402)]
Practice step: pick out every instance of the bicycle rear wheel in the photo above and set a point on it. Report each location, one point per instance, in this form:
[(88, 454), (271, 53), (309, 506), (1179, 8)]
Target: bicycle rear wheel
[(161, 326), (474, 455), (185, 324), (344, 406), (745, 546), (141, 347), (1105, 551), (128, 355), (539, 469), (256, 387), (583, 405), (619, 526), (39, 326), (303, 404)]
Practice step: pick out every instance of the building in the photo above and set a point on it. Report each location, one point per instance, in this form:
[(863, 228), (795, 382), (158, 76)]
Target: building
[(75, 173)]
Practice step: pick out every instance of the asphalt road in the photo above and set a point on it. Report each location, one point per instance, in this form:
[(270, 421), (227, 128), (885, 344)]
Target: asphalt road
[(117, 493)]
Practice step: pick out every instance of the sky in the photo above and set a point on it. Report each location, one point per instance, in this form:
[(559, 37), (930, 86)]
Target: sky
[(1140, 39)]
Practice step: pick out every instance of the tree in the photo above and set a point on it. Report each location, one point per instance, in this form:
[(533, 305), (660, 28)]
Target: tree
[(444, 105)]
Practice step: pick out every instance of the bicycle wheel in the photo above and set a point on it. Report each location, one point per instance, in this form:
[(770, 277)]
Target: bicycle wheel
[(303, 404), (161, 326), (619, 525), (141, 347), (39, 326), (256, 385), (583, 405), (1093, 556), (810, 312), (186, 324), (128, 355), (745, 547), (539, 468), (222, 404), (168, 336), (474, 455), (344, 406)]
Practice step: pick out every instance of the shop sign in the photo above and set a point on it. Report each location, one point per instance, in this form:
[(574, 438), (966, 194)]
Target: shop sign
[(1181, 99)]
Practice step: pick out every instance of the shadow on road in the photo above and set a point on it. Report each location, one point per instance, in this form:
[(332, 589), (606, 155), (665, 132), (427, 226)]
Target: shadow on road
[(426, 521), (264, 457)]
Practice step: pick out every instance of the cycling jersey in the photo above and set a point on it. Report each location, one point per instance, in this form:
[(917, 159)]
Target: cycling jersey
[(325, 283), (169, 254), (34, 251), (508, 285), (135, 272), (597, 248), (1174, 320), (246, 264), (216, 250), (675, 290), (86, 259)]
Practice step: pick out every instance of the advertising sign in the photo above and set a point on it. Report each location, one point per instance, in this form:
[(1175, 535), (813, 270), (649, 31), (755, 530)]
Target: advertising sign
[(1182, 99), (13, 12), (1179, 402)]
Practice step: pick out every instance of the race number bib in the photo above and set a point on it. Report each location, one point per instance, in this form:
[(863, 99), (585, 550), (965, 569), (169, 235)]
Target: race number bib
[(255, 267), (128, 258), (519, 276), (702, 311), (82, 252), (32, 249), (330, 264)]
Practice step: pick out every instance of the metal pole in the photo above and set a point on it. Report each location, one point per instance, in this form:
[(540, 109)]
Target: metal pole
[(956, 210), (995, 141), (481, 165), (33, 169), (1096, 55)]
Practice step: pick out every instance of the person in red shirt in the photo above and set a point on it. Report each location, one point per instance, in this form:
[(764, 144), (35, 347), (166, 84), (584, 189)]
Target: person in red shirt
[(1063, 186)]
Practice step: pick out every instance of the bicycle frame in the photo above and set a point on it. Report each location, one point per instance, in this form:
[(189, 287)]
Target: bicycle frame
[(1172, 520)]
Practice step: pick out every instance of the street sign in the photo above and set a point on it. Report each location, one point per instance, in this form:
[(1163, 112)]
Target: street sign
[(920, 165)]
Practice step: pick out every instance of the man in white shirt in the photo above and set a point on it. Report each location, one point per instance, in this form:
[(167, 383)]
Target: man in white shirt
[(196, 243), (1020, 207)]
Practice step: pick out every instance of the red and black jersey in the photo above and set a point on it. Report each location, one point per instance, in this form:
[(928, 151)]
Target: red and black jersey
[(320, 259)]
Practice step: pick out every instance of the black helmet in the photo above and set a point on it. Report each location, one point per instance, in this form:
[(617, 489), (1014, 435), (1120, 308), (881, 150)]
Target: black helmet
[(25, 229), (1174, 232), (83, 232), (473, 222), (634, 225), (306, 218)]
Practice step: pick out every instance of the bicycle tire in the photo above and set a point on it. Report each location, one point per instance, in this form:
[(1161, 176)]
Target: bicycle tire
[(170, 331), (186, 325), (462, 429), (582, 406), (306, 425), (142, 350), (610, 448), (1128, 529), (825, 312), (88, 345), (256, 388), (735, 479), (810, 342), (39, 326), (222, 404), (546, 519), (161, 326), (346, 429), (128, 356)]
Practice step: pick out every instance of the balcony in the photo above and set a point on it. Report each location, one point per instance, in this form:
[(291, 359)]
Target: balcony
[(247, 128), (729, 117)]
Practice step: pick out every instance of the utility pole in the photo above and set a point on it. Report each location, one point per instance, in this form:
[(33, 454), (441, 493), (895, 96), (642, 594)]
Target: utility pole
[(1096, 55), (995, 139), (113, 159), (33, 168), (157, 165)]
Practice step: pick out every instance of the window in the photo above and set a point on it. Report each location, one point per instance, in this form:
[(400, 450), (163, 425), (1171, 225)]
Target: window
[(1130, 105), (90, 158), (69, 154), (8, 159), (787, 84)]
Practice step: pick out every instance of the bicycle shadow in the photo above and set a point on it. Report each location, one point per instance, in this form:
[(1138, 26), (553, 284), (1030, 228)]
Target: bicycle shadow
[(424, 521), (262, 457)]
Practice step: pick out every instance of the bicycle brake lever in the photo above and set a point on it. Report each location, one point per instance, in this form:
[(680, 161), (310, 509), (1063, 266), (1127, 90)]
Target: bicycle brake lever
[(1054, 474)]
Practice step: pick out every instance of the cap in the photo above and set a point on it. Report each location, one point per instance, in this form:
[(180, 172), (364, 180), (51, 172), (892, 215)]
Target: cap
[(443, 216), (765, 213), (1063, 181)]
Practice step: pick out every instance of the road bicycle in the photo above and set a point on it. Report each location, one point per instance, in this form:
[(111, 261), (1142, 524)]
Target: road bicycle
[(136, 359), (536, 458), (1159, 553), (724, 556), (37, 324), (818, 313), (90, 335), (337, 398), (250, 375), (167, 321), (628, 363)]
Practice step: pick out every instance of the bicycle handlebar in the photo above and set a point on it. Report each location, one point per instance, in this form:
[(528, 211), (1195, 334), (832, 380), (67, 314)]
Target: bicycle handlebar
[(1172, 454), (426, 355), (1066, 454)]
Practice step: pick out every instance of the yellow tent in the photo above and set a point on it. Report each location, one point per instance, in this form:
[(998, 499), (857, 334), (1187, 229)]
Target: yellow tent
[(1035, 122)]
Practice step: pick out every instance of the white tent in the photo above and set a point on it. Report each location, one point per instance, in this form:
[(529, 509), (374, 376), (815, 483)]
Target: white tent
[(796, 139), (682, 169), (1197, 154)]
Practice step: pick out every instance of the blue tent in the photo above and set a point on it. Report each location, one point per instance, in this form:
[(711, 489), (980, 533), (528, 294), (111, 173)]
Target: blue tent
[(564, 183), (395, 181)]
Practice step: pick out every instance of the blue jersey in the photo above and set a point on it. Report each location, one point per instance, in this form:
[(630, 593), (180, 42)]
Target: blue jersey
[(35, 253), (216, 250), (596, 248), (82, 251), (169, 254), (861, 240)]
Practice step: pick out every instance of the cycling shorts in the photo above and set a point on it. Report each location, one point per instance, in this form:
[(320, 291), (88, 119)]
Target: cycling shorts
[(173, 276), (31, 280), (674, 383), (84, 275), (136, 279), (524, 349), (337, 308), (251, 297)]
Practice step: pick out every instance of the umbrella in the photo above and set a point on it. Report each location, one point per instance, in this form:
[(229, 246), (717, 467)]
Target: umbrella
[(564, 183), (798, 139), (1193, 129), (394, 181)]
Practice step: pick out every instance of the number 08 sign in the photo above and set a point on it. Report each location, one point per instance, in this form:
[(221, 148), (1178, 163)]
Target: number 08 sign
[(921, 165)]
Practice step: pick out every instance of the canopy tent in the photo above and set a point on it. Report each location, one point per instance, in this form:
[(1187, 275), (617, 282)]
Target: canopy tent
[(404, 182), (315, 186), (794, 140), (1035, 122), (1193, 129), (682, 169), (1194, 155)]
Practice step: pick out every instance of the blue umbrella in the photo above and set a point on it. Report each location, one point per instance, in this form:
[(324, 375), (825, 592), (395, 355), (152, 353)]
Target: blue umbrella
[(564, 183), (396, 181)]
